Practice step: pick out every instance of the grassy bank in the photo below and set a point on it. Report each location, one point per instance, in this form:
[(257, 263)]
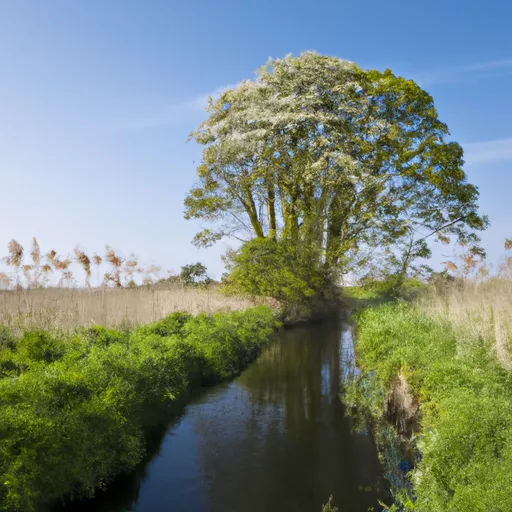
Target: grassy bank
[(443, 381), (75, 407)]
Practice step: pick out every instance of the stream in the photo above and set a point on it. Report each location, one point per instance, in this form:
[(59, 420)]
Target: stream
[(274, 439)]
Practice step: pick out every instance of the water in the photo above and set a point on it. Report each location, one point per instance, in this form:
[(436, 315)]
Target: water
[(274, 439)]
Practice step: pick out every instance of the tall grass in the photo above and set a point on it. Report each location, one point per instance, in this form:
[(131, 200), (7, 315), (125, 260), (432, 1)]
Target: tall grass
[(465, 397), (453, 348), (477, 304), (477, 311), (67, 308)]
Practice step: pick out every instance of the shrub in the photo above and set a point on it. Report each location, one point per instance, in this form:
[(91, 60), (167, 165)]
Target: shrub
[(39, 346), (393, 286), (171, 324), (281, 269)]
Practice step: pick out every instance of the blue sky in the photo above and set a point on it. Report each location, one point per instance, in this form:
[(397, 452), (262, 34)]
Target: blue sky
[(97, 100)]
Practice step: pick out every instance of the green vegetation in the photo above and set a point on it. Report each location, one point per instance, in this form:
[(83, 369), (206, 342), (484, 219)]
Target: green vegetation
[(75, 408), (320, 169), (380, 290), (329, 506), (465, 411), (285, 271)]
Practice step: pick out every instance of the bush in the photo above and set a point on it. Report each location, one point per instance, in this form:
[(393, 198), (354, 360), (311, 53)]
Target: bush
[(283, 270), (393, 286), (75, 410)]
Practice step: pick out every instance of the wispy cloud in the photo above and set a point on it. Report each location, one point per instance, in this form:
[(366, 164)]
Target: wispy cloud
[(201, 101), (180, 112), (492, 65), (491, 68), (487, 151)]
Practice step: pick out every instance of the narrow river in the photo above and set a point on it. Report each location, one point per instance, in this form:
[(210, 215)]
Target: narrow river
[(274, 439)]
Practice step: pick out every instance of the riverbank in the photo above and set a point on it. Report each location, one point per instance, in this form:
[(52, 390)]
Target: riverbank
[(75, 407), (448, 397)]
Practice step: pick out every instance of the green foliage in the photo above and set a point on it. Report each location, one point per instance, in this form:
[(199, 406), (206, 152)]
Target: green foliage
[(195, 275), (281, 269), (329, 506), (228, 343), (172, 324), (75, 410), (392, 286), (35, 346), (466, 425)]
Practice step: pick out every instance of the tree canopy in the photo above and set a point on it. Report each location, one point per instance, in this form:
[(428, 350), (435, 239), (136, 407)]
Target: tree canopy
[(352, 162)]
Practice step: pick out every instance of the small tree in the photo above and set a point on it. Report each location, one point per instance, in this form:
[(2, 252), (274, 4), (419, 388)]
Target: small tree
[(281, 269), (195, 275)]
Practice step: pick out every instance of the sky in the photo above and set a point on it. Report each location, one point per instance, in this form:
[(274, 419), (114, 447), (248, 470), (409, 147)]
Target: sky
[(97, 100)]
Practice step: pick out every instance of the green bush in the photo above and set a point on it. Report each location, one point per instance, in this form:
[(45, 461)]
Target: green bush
[(466, 407), (284, 270), (75, 410), (172, 324), (392, 286)]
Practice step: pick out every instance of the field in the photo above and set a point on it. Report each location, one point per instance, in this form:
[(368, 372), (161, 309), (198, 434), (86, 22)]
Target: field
[(68, 308)]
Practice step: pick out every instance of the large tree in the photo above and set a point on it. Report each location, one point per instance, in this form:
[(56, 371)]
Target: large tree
[(317, 150)]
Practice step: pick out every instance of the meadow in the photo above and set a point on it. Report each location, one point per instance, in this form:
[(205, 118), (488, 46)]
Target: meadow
[(87, 371)]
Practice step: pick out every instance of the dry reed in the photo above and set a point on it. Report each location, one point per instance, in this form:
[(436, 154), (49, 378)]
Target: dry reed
[(479, 311), (128, 294), (68, 308), (478, 303)]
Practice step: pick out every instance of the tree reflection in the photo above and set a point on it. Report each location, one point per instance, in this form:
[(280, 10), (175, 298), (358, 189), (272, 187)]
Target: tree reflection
[(279, 439)]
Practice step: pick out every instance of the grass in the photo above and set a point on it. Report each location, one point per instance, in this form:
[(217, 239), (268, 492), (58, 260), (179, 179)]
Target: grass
[(477, 311), (76, 406), (68, 308), (451, 348)]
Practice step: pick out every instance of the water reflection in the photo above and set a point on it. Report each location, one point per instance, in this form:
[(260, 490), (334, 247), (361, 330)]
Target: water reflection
[(275, 439)]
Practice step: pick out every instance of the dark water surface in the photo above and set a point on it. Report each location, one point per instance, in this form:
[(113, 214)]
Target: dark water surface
[(274, 439)]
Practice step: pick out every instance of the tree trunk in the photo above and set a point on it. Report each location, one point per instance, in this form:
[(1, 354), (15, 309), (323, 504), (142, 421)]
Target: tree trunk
[(250, 207), (334, 226), (271, 207)]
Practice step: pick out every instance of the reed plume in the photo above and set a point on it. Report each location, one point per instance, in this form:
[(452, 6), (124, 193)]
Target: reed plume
[(15, 258), (61, 265), (114, 275), (97, 259), (84, 260), (131, 268), (35, 255)]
